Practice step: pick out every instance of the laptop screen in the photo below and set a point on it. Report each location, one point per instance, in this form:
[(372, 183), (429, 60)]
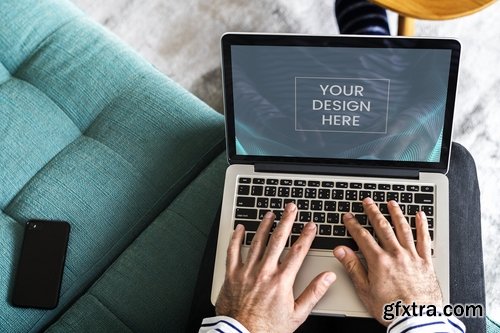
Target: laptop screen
[(374, 101)]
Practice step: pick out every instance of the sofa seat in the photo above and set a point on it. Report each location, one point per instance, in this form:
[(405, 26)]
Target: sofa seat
[(92, 134), (149, 288)]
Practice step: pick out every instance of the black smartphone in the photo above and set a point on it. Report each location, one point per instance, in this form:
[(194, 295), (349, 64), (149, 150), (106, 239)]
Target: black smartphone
[(41, 264)]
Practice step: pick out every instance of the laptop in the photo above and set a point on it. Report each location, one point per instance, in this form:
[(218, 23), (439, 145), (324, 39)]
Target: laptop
[(324, 121)]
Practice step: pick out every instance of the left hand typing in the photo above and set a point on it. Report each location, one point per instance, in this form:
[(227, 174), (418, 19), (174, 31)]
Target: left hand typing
[(259, 292)]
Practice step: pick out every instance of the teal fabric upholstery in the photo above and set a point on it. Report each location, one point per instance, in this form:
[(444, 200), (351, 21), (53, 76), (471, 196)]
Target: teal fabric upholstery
[(149, 288), (92, 134)]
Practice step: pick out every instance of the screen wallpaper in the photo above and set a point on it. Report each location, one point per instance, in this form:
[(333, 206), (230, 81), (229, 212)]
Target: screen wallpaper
[(355, 103)]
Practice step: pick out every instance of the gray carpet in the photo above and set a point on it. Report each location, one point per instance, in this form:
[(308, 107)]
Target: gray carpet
[(181, 38)]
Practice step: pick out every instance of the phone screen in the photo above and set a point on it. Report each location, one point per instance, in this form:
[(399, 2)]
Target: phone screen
[(41, 264)]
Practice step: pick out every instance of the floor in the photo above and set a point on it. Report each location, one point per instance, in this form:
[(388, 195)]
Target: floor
[(181, 38)]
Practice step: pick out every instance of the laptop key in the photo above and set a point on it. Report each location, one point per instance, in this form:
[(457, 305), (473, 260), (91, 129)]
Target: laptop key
[(249, 238), (412, 188), (283, 192), (262, 202), (297, 228), (299, 182), (329, 243), (286, 182), (243, 189), (384, 187), (422, 198), (406, 197), (338, 194), (356, 185), (305, 216), (351, 195), (378, 196), (343, 206), (397, 187), (244, 213), (392, 196), (330, 206), (276, 203), (257, 190), (310, 193), (249, 225), (245, 201), (428, 210), (342, 184), (425, 188), (339, 230), (364, 194), (244, 180), (323, 193), (357, 207), (325, 230), (303, 204), (313, 183), (271, 181), (270, 191), (319, 217), (297, 192), (316, 205), (259, 181), (327, 184), (412, 209), (332, 218), (370, 186)]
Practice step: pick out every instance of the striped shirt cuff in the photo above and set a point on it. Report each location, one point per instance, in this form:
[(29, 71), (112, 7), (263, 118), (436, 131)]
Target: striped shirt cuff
[(425, 324), (221, 324)]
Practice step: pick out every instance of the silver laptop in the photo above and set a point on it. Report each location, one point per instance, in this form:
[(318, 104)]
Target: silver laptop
[(325, 121)]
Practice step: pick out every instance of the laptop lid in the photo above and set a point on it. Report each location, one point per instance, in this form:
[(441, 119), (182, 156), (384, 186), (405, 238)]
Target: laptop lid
[(378, 103)]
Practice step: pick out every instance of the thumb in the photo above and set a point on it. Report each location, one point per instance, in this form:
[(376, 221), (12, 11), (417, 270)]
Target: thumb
[(353, 266), (312, 294)]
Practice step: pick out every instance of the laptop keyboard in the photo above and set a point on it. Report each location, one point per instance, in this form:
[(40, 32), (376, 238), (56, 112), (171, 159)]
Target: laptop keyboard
[(324, 202)]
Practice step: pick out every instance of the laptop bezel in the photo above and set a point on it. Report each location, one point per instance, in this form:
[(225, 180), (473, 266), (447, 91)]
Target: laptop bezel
[(230, 39)]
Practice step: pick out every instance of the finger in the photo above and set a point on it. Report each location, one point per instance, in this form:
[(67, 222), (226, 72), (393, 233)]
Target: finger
[(353, 266), (259, 241), (366, 243), (233, 259), (403, 229), (383, 229), (424, 243), (298, 251), (280, 235), (312, 294)]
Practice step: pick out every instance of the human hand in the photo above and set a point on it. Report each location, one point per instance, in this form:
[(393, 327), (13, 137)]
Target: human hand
[(259, 292), (396, 269)]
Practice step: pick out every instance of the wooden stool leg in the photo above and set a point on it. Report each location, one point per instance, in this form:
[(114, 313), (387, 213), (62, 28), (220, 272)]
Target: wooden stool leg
[(406, 26)]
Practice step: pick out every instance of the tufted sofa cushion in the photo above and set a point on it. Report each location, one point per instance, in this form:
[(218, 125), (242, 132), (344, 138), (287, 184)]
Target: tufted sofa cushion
[(90, 133)]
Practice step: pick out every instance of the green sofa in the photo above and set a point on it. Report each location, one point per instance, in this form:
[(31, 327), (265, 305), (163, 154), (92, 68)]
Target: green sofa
[(92, 134)]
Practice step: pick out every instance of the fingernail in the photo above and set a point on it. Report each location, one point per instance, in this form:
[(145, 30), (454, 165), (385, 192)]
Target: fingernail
[(311, 225), (339, 253), (348, 216), (329, 278), (290, 207), (422, 214), (238, 227), (368, 201), (268, 215), (394, 203)]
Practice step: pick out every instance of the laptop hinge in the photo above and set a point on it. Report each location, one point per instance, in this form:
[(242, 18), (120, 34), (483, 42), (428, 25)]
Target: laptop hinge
[(337, 170)]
